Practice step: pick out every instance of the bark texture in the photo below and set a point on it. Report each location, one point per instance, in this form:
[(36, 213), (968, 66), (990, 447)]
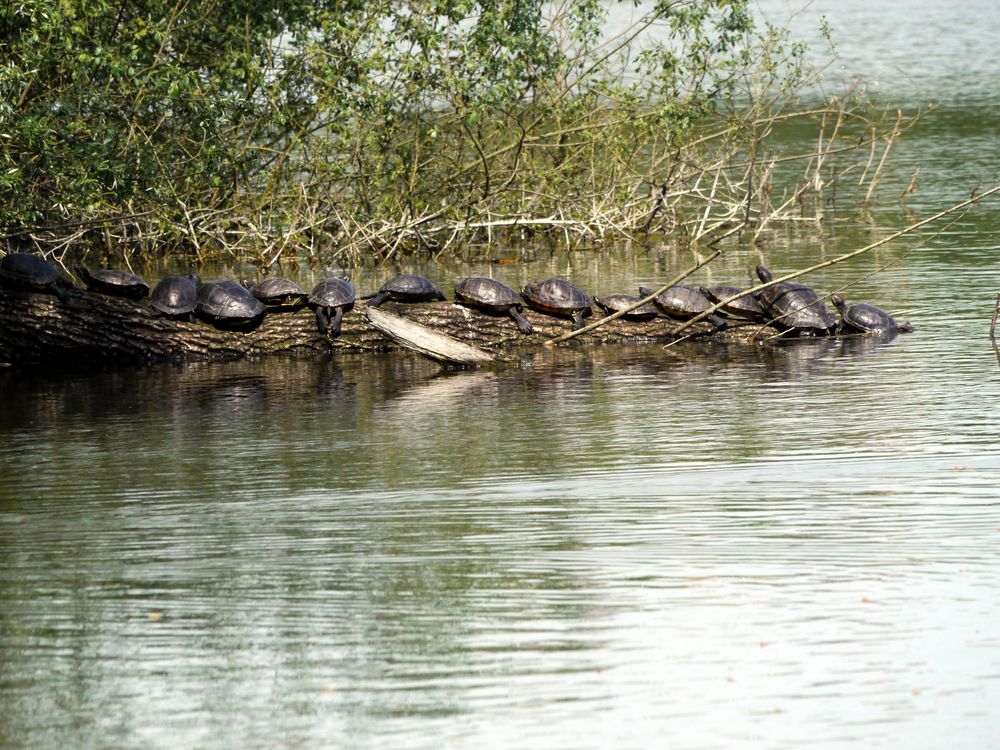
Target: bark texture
[(90, 327)]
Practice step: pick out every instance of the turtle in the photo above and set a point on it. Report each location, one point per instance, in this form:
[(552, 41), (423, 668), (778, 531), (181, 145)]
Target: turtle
[(744, 306), (113, 281), (331, 298), (492, 296), (868, 318), (558, 297), (278, 294), (228, 304), (684, 302), (176, 296), (795, 307), (616, 302), (30, 271), (405, 288)]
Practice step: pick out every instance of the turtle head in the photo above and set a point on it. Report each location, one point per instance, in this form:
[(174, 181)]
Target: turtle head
[(764, 274), (839, 303)]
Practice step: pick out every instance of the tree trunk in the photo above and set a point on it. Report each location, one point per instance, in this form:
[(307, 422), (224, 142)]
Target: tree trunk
[(91, 327)]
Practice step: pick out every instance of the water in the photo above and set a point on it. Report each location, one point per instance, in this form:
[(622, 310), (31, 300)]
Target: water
[(716, 546)]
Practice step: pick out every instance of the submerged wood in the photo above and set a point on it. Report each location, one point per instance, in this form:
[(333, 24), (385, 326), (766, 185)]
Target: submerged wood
[(91, 328)]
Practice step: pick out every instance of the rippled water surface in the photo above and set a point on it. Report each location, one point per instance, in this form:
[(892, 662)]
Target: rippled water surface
[(718, 545)]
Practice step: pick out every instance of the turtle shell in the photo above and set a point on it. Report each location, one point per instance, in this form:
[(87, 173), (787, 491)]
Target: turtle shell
[(867, 318), (279, 293), (175, 296), (556, 297), (406, 288), (794, 307), (28, 270), (486, 294), (744, 306), (335, 292), (113, 281), (228, 304), (679, 301), (613, 303)]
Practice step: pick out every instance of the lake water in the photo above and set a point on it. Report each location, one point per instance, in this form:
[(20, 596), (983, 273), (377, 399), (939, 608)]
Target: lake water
[(713, 546)]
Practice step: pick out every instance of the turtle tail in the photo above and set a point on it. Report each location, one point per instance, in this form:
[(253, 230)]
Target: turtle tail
[(322, 320)]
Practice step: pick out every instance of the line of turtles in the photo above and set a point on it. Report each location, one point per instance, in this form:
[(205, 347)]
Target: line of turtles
[(791, 307)]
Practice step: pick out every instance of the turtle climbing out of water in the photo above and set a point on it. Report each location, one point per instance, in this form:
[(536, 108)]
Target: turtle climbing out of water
[(492, 296), (405, 288), (113, 281), (560, 298), (227, 304), (865, 318), (683, 303), (29, 271), (613, 303), (331, 298), (278, 294), (743, 306), (794, 307), (176, 296)]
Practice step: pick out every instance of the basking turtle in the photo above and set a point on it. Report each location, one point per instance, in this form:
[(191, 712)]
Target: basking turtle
[(492, 296), (331, 298), (868, 318), (745, 306), (558, 297), (616, 302), (795, 307), (405, 288), (113, 281), (30, 271), (684, 302), (228, 305), (278, 294), (176, 296)]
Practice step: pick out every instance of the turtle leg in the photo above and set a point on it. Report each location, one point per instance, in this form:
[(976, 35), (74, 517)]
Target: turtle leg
[(578, 321), (322, 320), (523, 324), (378, 299), (717, 320), (338, 315)]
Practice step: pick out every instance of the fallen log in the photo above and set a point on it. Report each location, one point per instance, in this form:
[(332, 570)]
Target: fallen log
[(92, 328)]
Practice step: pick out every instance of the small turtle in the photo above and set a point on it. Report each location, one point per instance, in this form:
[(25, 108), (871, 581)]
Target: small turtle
[(558, 297), (684, 302), (30, 271), (228, 305), (405, 288), (615, 302), (331, 298), (492, 296), (113, 281), (745, 306), (278, 294), (868, 318), (795, 307), (176, 296)]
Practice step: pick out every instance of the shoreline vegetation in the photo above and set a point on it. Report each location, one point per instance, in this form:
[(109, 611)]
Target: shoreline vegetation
[(335, 134)]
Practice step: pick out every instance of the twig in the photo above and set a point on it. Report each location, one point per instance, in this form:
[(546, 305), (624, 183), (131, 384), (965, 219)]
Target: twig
[(993, 323)]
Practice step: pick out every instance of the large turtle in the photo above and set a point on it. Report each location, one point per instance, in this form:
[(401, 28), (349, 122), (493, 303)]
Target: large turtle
[(492, 296), (228, 305), (613, 303), (113, 281), (866, 318), (331, 298), (29, 271), (743, 306), (405, 288), (558, 297), (795, 307), (176, 296), (684, 302), (278, 294)]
